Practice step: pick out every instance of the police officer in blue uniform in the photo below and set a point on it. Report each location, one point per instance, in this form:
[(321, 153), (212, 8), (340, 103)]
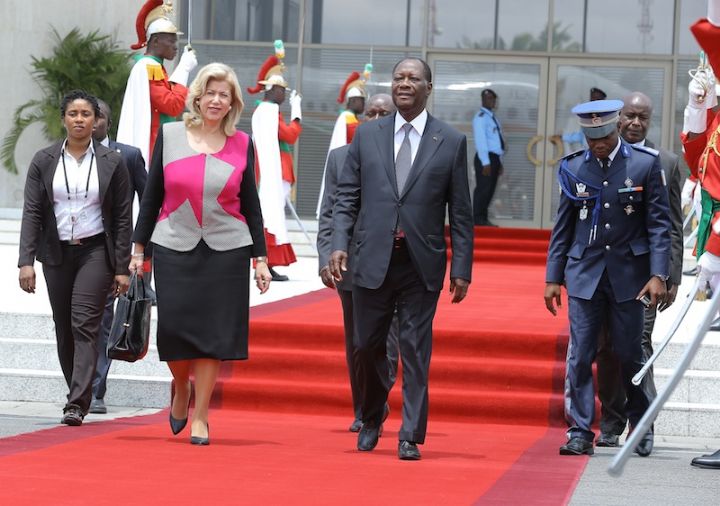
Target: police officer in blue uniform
[(489, 149), (610, 247)]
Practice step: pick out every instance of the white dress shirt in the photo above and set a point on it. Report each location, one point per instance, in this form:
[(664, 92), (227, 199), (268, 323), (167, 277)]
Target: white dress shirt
[(78, 211), (418, 127)]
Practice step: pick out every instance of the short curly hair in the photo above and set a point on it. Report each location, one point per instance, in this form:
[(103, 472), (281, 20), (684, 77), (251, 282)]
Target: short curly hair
[(73, 95)]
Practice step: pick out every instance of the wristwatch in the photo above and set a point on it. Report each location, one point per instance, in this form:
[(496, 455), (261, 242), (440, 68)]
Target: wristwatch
[(261, 259), (662, 277)]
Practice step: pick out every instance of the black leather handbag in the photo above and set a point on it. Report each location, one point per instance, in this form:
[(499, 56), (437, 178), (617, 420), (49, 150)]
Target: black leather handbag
[(130, 331)]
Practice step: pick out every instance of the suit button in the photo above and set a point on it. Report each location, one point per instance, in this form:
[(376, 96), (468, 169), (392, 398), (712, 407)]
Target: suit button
[(607, 226), (631, 197), (399, 204), (606, 205), (607, 247), (605, 183)]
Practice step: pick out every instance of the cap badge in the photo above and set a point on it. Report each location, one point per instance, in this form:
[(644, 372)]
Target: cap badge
[(628, 183)]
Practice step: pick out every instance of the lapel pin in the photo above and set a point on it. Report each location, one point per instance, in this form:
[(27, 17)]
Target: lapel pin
[(434, 137)]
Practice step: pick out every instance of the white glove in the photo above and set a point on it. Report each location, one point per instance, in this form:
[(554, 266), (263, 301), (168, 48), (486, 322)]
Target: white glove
[(295, 110), (713, 12), (188, 61), (695, 118), (686, 195), (711, 99), (708, 267)]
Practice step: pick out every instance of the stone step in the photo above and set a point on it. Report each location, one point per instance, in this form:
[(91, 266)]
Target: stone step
[(688, 419), (695, 387), (41, 354), (49, 386), (40, 326)]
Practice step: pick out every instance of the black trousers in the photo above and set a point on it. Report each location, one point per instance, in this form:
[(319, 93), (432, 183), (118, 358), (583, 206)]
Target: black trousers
[(373, 311), (346, 300), (484, 187), (78, 290), (99, 385), (611, 389)]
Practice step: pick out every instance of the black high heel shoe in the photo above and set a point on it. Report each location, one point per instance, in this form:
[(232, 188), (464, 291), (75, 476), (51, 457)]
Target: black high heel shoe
[(203, 441), (176, 424)]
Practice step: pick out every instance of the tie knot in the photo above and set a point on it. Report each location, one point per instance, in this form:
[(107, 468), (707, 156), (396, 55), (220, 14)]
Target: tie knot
[(407, 127)]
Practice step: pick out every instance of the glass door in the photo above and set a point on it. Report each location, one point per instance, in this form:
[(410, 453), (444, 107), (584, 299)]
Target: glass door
[(521, 86), (570, 83)]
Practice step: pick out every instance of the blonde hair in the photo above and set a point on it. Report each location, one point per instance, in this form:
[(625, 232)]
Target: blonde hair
[(218, 72)]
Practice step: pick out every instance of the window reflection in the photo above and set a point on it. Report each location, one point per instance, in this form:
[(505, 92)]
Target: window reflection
[(690, 11), (467, 24), (244, 20), (523, 33), (376, 22), (629, 26), (569, 16)]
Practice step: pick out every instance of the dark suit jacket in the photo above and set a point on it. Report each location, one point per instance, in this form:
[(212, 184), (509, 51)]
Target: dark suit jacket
[(633, 229), (136, 167), (669, 164), (38, 232), (368, 206), (335, 163)]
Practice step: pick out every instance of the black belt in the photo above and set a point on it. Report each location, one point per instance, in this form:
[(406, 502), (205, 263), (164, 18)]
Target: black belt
[(93, 239)]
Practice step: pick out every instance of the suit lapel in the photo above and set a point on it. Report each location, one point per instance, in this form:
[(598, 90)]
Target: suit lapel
[(49, 173), (104, 169), (384, 137), (429, 143)]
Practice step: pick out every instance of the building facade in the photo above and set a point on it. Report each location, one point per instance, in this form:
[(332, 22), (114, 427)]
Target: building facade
[(540, 57)]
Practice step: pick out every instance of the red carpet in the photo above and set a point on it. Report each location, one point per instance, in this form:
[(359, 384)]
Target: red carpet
[(280, 437)]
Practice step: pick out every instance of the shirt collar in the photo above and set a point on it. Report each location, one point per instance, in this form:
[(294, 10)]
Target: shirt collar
[(640, 144), (90, 149), (612, 154), (489, 111), (418, 123), (105, 142)]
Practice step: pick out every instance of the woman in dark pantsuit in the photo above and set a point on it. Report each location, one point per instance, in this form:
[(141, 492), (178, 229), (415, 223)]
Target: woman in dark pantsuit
[(77, 221), (201, 211)]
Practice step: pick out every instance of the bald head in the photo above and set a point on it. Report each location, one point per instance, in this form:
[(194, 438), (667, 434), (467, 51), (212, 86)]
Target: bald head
[(378, 106), (635, 117)]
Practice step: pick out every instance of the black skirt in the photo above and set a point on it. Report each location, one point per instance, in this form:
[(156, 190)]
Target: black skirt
[(203, 299)]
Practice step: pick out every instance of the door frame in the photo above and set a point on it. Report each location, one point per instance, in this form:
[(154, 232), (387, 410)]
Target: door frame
[(550, 171), (543, 63)]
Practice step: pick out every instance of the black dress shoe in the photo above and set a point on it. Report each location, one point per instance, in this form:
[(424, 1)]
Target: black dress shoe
[(276, 276), (368, 437), (691, 272), (356, 425), (715, 325), (407, 450), (178, 424), (577, 446), (607, 440), (202, 441), (72, 416), (97, 407), (707, 461), (645, 446)]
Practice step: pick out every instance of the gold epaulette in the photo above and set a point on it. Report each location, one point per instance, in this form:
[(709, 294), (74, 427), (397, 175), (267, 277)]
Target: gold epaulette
[(155, 72)]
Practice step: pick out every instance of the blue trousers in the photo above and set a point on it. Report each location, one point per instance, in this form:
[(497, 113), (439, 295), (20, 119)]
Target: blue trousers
[(624, 322)]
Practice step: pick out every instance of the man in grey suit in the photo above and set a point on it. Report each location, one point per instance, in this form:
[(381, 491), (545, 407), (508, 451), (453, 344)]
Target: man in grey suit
[(378, 106), (401, 174), (634, 123)]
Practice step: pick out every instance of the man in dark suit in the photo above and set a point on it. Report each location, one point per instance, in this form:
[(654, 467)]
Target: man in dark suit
[(635, 118), (610, 247), (378, 106), (401, 174), (138, 176)]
